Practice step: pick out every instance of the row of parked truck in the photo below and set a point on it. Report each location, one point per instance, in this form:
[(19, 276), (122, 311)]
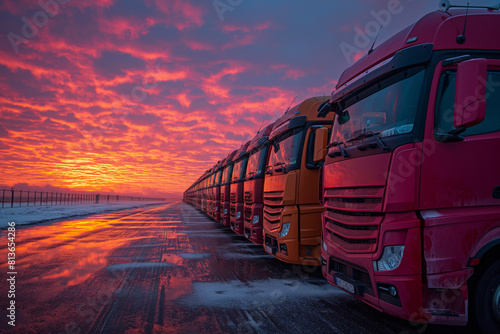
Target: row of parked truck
[(392, 184)]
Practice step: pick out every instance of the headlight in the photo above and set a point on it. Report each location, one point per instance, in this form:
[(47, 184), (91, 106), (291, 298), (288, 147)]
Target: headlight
[(255, 219), (391, 258), (284, 229), (238, 214), (325, 247), (216, 208), (225, 211)]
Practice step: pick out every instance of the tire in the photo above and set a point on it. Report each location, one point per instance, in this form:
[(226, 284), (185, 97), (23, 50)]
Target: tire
[(486, 299)]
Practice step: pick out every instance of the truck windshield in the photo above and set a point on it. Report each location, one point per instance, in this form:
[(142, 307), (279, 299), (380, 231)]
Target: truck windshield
[(256, 163), (239, 169), (286, 149), (390, 111), (218, 177), (226, 175)]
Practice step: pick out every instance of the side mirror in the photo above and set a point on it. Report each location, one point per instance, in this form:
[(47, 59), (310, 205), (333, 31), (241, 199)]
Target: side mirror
[(343, 117), (320, 143), (470, 103), (324, 108)]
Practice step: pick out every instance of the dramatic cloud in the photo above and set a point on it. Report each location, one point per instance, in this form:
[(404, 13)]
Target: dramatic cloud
[(142, 96)]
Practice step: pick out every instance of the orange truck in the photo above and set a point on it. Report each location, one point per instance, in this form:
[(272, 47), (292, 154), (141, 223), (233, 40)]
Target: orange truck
[(292, 212)]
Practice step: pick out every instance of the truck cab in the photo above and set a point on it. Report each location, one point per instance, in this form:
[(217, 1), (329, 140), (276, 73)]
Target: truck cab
[(411, 183), (292, 212)]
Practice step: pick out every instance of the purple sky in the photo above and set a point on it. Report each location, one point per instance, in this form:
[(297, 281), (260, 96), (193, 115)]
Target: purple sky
[(143, 96)]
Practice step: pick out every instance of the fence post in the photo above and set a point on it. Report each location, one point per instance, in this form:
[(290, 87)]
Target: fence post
[(20, 197)]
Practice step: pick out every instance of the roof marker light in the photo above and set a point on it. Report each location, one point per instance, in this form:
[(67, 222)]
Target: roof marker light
[(411, 40)]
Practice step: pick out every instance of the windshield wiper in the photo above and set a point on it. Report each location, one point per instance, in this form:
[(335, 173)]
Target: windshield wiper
[(282, 169), (369, 134), (250, 175), (339, 145)]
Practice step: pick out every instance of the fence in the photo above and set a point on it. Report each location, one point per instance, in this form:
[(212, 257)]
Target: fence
[(17, 198)]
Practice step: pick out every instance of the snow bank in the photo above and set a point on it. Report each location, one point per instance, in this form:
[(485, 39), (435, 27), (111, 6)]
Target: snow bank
[(39, 214)]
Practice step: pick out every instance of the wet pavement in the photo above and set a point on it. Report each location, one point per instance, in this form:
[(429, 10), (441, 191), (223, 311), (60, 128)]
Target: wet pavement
[(170, 268)]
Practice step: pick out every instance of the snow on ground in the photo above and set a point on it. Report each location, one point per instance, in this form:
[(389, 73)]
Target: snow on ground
[(40, 214), (137, 265), (273, 291), (194, 256)]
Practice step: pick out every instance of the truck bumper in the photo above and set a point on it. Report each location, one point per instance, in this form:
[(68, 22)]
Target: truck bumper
[(401, 292), (360, 281), (253, 232), (287, 248)]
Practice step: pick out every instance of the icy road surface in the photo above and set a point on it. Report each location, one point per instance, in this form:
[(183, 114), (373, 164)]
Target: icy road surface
[(171, 269)]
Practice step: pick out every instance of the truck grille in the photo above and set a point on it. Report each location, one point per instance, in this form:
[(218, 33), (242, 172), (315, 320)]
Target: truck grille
[(353, 217), (273, 205), (233, 210), (248, 197), (232, 197)]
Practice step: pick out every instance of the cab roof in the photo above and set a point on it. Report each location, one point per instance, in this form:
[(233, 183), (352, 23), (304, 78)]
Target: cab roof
[(439, 28), (307, 108), (255, 142)]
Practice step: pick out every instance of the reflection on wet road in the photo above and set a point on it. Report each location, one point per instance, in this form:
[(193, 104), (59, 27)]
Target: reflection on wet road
[(171, 269)]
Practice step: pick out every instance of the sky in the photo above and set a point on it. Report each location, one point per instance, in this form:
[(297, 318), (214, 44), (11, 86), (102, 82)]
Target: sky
[(141, 97)]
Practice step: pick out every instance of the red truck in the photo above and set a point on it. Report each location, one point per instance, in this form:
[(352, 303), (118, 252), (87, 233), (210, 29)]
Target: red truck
[(225, 186), (236, 189), (411, 182), (215, 191), (258, 156)]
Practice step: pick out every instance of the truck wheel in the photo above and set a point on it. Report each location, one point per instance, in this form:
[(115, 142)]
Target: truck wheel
[(487, 300)]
